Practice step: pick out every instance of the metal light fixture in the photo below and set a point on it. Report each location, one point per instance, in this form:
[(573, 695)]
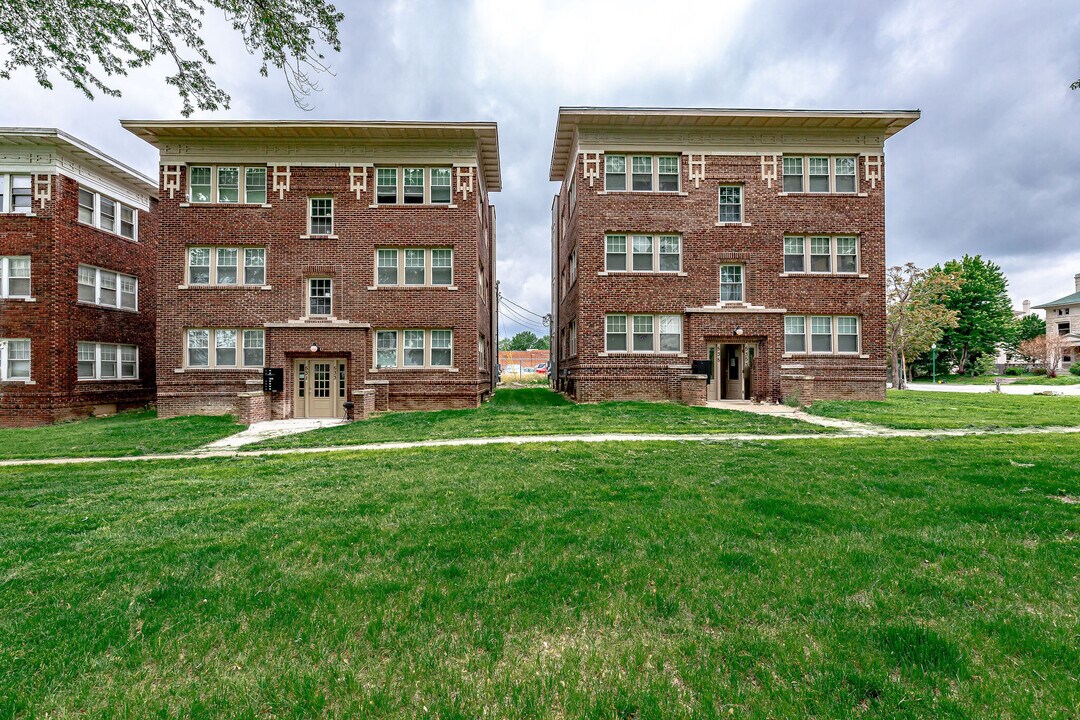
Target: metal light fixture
[(738, 330), (314, 347)]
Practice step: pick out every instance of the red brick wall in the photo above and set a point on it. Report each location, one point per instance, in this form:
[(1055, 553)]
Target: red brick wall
[(57, 243), (350, 261), (705, 246)]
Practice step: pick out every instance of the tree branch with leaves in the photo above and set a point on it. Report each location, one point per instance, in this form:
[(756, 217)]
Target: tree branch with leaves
[(915, 314), (89, 42)]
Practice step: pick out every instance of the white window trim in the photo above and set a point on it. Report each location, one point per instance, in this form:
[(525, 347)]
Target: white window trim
[(97, 362), (211, 345), (4, 349), (655, 270), (742, 283), (242, 199), (399, 196), (832, 256), (655, 333), (241, 280), (97, 288), (742, 204), (7, 206), (400, 350), (629, 157), (310, 207), (428, 268), (117, 205), (5, 278), (808, 337), (307, 297), (832, 176)]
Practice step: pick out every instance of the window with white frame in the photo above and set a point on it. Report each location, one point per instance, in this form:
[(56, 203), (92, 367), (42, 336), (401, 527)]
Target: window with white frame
[(108, 214), (226, 348), (16, 193), (822, 334), (227, 184), (220, 266), (643, 333), (107, 361), (573, 267), (643, 253), (320, 297), (731, 283), (731, 204), (107, 288), (15, 359), (414, 348), (320, 216), (573, 338), (414, 267), (14, 277), (820, 174), (413, 186), (647, 173), (822, 254)]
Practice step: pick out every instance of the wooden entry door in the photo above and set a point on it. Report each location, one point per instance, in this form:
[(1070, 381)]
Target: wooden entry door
[(732, 372), (319, 388)]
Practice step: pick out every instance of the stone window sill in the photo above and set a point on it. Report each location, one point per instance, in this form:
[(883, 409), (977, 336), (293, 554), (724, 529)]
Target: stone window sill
[(734, 224), (821, 194), (826, 275), (630, 353), (319, 237), (26, 214), (224, 287), (17, 381), (414, 369), (451, 206), (642, 273), (110, 233), (83, 303), (19, 298), (107, 380), (182, 370), (227, 205), (671, 193), (810, 356), (452, 288)]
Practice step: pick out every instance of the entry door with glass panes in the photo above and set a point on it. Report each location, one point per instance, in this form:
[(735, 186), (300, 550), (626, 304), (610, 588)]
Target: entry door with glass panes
[(319, 388)]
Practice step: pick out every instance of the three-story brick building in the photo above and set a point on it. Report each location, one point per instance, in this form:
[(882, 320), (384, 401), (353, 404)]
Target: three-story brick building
[(703, 254), (77, 257), (358, 258)]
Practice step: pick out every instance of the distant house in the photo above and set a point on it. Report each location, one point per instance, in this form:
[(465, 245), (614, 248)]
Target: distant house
[(1004, 359), (1063, 318)]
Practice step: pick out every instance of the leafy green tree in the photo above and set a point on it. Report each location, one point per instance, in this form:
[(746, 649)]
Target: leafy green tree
[(983, 310), (524, 340), (1027, 327), (86, 42), (543, 343), (915, 316)]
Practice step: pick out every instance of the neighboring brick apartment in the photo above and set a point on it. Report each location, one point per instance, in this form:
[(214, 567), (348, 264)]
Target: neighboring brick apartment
[(704, 254), (77, 257), (356, 257)]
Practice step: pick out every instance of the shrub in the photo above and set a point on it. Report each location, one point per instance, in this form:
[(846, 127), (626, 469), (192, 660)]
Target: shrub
[(1013, 372), (1074, 369), (1038, 371)]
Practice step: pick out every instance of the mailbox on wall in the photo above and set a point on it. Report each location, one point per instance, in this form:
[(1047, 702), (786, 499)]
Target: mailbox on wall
[(273, 379), (702, 367)]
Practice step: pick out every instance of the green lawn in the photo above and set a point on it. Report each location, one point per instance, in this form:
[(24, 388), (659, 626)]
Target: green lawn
[(841, 578), (911, 409), (1063, 378), (539, 411), (136, 432)]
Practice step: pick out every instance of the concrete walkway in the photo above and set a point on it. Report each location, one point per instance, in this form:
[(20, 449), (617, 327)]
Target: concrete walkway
[(795, 413), (257, 432), (866, 432), (1005, 389)]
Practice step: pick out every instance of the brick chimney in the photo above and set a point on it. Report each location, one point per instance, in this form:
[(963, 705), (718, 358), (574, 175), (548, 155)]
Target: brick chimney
[(1076, 278)]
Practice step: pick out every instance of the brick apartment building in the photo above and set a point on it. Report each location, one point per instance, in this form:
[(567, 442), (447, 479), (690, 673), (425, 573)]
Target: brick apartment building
[(702, 254), (77, 258), (358, 258)]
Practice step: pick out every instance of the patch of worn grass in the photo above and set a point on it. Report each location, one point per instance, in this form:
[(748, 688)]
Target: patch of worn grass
[(135, 432), (913, 409), (905, 579), (539, 411)]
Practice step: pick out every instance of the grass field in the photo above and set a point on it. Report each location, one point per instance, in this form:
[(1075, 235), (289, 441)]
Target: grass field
[(912, 409), (1063, 378), (137, 432), (834, 578), (539, 411)]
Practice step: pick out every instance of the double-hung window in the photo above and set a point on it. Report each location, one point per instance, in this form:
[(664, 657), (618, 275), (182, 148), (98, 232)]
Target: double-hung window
[(386, 186), (254, 266), (820, 254), (647, 173), (616, 333), (232, 348), (670, 253), (442, 266), (440, 186), (227, 262), (320, 216), (827, 334), (108, 214), (16, 194), (413, 185), (820, 174), (670, 333), (821, 334), (731, 204), (111, 289), (731, 283), (793, 174), (847, 254), (221, 266), (198, 266), (415, 267), (320, 297), (643, 333), (14, 277), (845, 174), (847, 334), (794, 255), (824, 255), (227, 184), (387, 259), (615, 256), (15, 359), (414, 348), (107, 361), (794, 334), (643, 253)]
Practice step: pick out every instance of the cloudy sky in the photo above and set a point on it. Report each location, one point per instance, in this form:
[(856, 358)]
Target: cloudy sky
[(993, 166)]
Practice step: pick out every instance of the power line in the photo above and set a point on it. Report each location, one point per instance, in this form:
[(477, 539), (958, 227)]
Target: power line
[(509, 313), (519, 307)]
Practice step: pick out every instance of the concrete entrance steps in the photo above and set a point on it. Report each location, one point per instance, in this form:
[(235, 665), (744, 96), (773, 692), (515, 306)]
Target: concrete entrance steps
[(260, 431)]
